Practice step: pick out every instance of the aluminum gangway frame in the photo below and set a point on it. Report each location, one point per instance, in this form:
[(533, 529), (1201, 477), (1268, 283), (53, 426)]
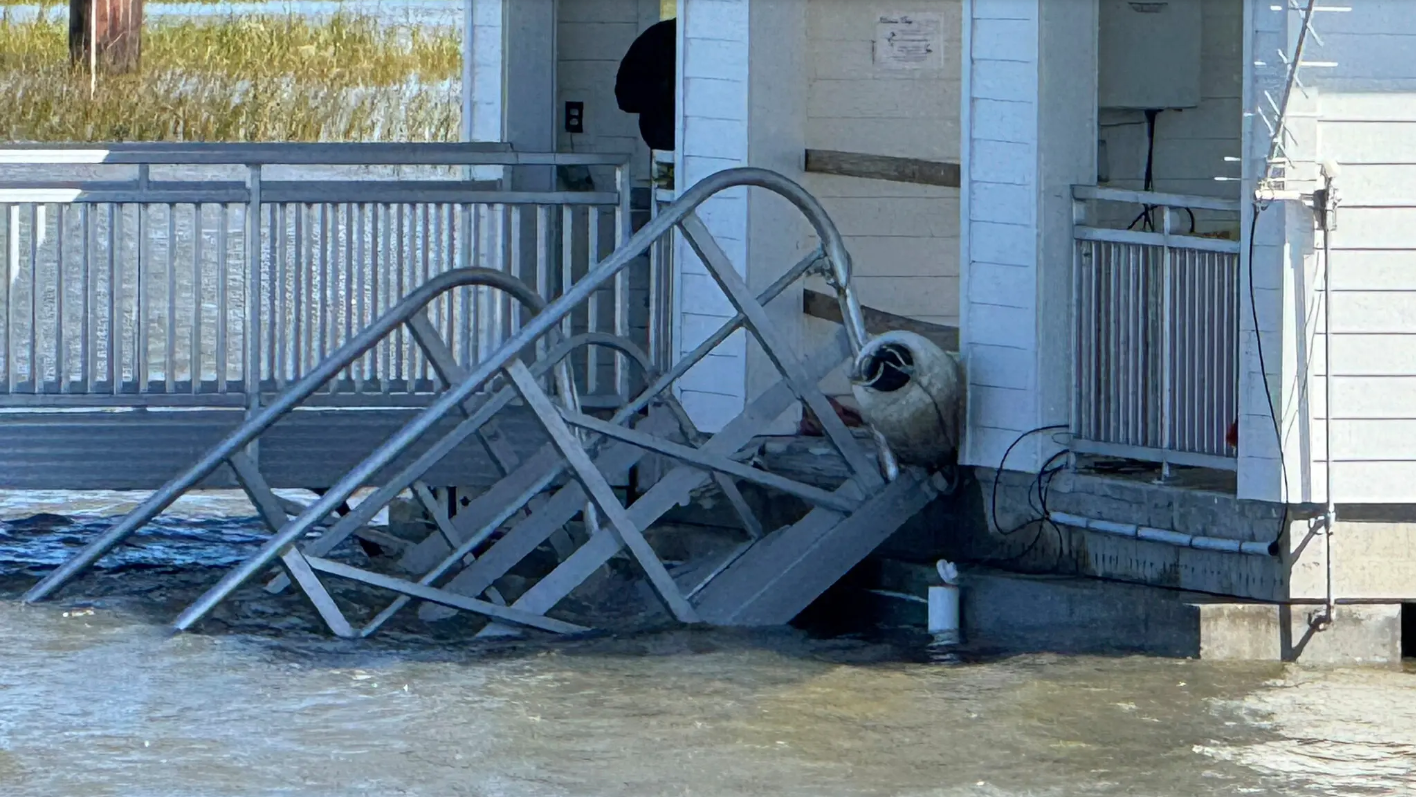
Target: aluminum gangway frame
[(767, 580)]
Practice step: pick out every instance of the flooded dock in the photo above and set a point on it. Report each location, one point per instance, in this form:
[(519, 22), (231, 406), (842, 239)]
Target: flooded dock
[(99, 699)]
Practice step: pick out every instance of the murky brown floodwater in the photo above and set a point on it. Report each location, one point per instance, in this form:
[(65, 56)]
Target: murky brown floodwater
[(96, 699)]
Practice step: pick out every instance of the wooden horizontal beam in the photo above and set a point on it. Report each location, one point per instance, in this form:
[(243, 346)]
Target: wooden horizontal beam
[(826, 308), (882, 167)]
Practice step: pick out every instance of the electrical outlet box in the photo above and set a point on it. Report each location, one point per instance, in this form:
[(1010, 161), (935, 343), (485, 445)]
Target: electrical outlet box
[(575, 117), (1149, 54)]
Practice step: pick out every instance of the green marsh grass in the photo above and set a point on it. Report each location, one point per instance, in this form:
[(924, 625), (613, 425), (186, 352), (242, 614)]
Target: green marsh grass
[(268, 77)]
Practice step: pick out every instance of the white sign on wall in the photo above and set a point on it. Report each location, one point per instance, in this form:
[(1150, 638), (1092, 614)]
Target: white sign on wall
[(909, 41)]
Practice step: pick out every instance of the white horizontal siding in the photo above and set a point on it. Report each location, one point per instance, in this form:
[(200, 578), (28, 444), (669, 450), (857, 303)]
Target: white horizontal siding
[(1367, 124), (903, 239), (713, 136), (1260, 470), (592, 37), (1000, 215), (1191, 145)]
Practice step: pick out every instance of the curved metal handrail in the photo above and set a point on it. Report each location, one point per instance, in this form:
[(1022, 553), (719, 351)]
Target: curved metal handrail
[(258, 424), (542, 323), (533, 329)]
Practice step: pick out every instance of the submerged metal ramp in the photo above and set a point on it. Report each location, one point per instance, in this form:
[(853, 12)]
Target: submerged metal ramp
[(767, 580)]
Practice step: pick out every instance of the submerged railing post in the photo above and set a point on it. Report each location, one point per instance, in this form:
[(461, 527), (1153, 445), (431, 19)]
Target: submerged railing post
[(1167, 342), (1079, 218)]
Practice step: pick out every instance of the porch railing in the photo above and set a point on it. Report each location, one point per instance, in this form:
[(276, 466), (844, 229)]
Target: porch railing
[(1155, 327), (170, 274)]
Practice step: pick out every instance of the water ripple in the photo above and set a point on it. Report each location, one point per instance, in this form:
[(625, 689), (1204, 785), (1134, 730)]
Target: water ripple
[(44, 541)]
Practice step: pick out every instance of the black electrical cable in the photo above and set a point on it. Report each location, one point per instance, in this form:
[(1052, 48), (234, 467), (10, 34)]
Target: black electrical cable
[(998, 471), (1042, 482), (1263, 373), (1149, 180)]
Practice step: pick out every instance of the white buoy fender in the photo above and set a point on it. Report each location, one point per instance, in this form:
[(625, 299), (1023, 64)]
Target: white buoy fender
[(912, 392)]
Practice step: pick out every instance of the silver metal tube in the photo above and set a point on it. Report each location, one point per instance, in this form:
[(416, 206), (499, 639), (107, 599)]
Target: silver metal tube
[(374, 310), (12, 246), (33, 356), (1330, 508), (115, 348), (464, 260), (279, 331), (194, 358), (1165, 536), (60, 355), (360, 303), (567, 232), (223, 306), (268, 415), (298, 332), (543, 252), (388, 285), (253, 289), (170, 328), (294, 154), (592, 308), (88, 348), (1167, 338), (621, 292)]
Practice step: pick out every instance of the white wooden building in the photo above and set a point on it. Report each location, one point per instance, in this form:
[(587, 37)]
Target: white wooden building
[(1034, 265)]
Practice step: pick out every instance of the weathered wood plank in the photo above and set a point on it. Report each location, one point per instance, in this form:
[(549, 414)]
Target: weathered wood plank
[(882, 167), (825, 307), (117, 28)]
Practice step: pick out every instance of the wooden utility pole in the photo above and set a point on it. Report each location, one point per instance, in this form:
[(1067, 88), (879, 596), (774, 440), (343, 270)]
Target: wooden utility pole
[(116, 26)]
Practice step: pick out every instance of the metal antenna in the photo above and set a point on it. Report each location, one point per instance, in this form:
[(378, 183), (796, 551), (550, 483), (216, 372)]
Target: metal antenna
[(1278, 113)]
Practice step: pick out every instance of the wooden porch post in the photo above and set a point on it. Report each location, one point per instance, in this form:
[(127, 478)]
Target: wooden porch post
[(116, 26)]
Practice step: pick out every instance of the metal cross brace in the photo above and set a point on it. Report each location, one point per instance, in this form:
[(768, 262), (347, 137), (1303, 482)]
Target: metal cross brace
[(501, 502), (594, 483), (495, 403), (777, 349), (546, 466), (295, 508), (668, 492), (484, 408), (298, 568), (302, 570), (529, 480), (445, 363), (437, 510)]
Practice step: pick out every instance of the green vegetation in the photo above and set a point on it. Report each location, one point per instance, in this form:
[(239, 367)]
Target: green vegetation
[(349, 77)]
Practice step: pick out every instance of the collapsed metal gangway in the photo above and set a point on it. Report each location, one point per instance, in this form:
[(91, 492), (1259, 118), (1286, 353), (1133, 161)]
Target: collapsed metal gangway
[(766, 580)]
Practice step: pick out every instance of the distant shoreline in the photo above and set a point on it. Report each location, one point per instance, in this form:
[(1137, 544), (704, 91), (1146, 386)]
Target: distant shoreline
[(366, 71)]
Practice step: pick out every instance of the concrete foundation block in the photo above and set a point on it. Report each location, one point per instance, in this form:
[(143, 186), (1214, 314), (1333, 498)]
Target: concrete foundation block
[(1371, 561), (1360, 635), (1065, 614)]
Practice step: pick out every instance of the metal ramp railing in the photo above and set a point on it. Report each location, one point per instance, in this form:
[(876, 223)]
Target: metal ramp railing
[(768, 579)]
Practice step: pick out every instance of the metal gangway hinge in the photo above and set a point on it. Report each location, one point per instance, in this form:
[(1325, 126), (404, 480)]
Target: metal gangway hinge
[(767, 579)]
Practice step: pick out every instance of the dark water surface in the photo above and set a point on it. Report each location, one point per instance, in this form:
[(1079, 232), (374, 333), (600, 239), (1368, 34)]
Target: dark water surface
[(97, 699)]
